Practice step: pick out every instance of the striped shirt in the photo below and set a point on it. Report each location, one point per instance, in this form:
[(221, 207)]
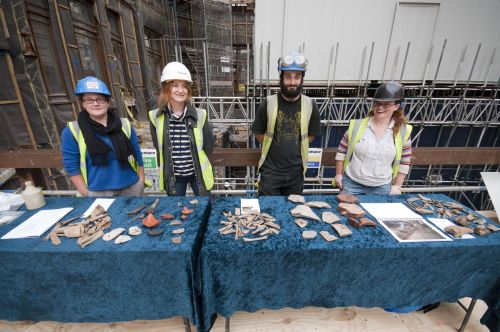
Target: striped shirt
[(181, 147), (371, 162)]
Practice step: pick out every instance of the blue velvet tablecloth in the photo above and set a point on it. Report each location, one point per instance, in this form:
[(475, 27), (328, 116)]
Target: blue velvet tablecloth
[(368, 269), (148, 277)]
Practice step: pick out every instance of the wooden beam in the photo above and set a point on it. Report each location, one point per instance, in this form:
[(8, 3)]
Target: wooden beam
[(250, 157)]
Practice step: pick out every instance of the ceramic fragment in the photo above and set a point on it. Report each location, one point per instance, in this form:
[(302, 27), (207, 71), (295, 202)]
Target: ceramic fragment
[(301, 222), (194, 201), (150, 221), (328, 236), (176, 240), (347, 198), (318, 205), (134, 231), (175, 223), (329, 217), (342, 230), (167, 216), (309, 235), (185, 211), (122, 239), (111, 235), (304, 211), (351, 210), (362, 222), (296, 199), (178, 231), (155, 232)]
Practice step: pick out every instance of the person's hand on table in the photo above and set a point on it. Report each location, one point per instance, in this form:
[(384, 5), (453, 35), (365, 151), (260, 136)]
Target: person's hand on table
[(395, 190)]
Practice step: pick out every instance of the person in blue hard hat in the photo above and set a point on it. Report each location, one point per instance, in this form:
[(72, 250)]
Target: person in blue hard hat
[(101, 153), (284, 125), (375, 152)]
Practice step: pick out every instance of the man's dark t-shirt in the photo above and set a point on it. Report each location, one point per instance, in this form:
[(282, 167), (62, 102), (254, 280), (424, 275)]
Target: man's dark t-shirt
[(284, 153)]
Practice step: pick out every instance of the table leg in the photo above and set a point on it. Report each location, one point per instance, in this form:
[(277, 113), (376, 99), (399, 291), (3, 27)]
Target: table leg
[(227, 328), (468, 312), (187, 325)]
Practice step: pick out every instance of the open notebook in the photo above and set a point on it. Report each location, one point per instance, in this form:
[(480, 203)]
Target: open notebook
[(404, 224), (37, 224)]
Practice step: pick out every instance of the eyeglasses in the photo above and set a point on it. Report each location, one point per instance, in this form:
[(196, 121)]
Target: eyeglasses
[(99, 101), (290, 59), (384, 105)]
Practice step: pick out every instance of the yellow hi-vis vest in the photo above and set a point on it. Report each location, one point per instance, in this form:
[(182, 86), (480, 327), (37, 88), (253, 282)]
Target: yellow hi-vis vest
[(77, 134), (205, 166), (305, 115), (355, 132)]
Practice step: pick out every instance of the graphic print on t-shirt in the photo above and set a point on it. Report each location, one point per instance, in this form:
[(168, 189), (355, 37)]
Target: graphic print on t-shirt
[(287, 127)]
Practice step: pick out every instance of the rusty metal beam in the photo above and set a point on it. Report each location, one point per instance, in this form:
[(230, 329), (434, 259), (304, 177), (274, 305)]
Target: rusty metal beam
[(250, 157)]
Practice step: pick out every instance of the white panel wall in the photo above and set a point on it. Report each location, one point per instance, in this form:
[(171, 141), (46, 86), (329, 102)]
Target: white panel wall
[(355, 24)]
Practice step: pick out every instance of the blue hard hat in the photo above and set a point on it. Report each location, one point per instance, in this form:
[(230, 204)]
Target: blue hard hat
[(91, 84), (292, 61)]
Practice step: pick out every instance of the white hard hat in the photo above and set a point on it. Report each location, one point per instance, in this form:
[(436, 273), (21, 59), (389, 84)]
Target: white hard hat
[(175, 71)]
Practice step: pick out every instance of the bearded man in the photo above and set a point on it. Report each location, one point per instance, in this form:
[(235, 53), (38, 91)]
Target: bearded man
[(284, 125)]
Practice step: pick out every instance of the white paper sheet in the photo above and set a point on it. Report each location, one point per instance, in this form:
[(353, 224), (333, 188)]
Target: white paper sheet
[(492, 182), (104, 202), (250, 205), (37, 224), (442, 223)]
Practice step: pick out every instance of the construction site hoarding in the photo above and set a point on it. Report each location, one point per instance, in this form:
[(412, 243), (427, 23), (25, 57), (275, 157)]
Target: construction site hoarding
[(448, 41)]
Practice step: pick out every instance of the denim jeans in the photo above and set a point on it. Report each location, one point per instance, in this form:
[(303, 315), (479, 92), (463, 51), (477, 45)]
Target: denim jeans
[(136, 189), (349, 186), (181, 185)]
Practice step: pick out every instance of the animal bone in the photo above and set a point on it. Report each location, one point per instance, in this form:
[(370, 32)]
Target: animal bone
[(471, 217), (98, 210), (85, 241), (493, 228), (152, 207), (462, 221), (481, 230), (458, 231), (251, 239), (76, 230)]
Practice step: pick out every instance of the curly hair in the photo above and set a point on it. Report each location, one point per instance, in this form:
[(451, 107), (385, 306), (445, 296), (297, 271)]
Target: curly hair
[(399, 119), (165, 91)]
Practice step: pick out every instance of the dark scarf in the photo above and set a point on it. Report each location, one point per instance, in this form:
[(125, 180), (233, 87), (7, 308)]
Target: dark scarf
[(97, 148)]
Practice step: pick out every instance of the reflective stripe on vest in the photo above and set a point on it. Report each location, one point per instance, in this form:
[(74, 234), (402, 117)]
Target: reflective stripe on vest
[(205, 166), (355, 132), (77, 134), (306, 107)]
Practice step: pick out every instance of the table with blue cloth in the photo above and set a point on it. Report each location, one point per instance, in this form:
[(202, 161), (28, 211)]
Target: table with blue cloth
[(368, 269), (148, 277)]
